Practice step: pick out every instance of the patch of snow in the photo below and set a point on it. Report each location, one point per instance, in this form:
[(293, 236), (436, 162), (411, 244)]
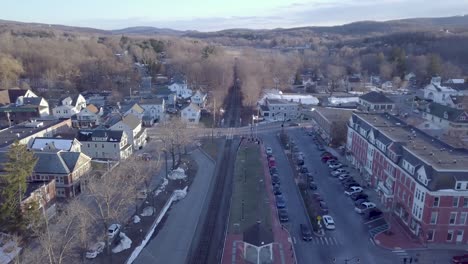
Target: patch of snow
[(298, 98), (180, 194), (342, 100), (124, 243), (161, 188), (136, 219), (177, 174), (148, 211)]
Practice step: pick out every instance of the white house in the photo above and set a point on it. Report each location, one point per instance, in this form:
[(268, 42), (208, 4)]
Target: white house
[(181, 89), (388, 85), (69, 106), (105, 144), (136, 110), (279, 110), (154, 108), (440, 116), (442, 92), (131, 124), (191, 114), (88, 117), (199, 98)]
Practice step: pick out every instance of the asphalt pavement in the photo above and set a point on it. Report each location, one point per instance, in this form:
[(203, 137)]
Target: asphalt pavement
[(351, 239), (172, 242)]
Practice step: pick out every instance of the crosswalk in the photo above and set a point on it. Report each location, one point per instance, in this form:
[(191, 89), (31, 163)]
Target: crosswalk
[(326, 241), (401, 253)]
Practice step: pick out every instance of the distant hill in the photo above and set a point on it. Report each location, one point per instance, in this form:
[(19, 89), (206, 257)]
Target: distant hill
[(147, 31), (12, 25)]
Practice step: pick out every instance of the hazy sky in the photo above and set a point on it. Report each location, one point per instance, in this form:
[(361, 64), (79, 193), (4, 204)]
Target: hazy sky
[(208, 15)]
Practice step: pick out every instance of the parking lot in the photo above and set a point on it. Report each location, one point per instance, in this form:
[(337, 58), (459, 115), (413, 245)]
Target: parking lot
[(350, 239)]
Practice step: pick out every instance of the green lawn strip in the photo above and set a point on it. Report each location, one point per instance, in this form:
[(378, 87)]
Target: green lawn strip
[(211, 146), (308, 201), (249, 190)]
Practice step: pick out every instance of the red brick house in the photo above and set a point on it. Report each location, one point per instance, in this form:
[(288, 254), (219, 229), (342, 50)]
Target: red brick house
[(420, 179)]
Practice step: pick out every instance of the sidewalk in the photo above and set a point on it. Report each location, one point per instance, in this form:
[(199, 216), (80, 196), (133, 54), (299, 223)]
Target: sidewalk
[(397, 237)]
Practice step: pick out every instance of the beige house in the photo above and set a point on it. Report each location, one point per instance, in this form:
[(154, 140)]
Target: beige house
[(105, 144), (132, 126), (89, 116)]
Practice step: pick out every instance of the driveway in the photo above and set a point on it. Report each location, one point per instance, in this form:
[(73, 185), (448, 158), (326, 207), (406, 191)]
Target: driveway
[(172, 242)]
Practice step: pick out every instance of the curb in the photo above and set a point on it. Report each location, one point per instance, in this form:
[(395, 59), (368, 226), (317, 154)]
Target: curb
[(206, 154)]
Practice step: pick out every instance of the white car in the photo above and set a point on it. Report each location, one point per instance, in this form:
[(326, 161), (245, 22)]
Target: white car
[(95, 249), (328, 222), (269, 151), (113, 230), (363, 207), (337, 172), (335, 166), (344, 176), (352, 190)]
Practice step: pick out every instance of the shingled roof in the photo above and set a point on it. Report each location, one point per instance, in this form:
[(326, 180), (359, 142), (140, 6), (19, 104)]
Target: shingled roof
[(446, 112), (376, 98)]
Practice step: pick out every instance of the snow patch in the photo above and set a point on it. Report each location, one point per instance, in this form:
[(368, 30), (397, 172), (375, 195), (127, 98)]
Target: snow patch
[(161, 188), (298, 98), (124, 243), (343, 100), (177, 174), (148, 211), (136, 219), (180, 194)]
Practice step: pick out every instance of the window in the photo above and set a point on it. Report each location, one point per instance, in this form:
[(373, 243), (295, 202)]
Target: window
[(453, 217), (434, 216), (458, 187), (449, 235), (436, 202), (102, 145), (463, 217), (455, 202), (465, 202), (88, 145), (115, 145), (430, 235)]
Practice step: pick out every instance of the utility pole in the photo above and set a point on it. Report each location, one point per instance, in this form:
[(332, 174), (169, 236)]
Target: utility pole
[(214, 119)]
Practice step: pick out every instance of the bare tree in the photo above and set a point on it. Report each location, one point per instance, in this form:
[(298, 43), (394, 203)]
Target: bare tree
[(175, 136)]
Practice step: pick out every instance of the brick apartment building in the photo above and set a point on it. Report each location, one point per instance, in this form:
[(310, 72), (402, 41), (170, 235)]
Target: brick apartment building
[(422, 181)]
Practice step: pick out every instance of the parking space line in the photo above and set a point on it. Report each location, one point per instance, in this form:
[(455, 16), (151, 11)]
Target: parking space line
[(336, 241), (321, 240), (326, 240)]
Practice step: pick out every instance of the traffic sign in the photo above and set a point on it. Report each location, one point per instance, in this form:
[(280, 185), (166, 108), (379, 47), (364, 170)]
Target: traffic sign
[(319, 217)]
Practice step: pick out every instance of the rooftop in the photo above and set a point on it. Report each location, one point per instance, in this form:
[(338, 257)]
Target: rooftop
[(429, 149), (376, 97), (335, 114), (23, 130)]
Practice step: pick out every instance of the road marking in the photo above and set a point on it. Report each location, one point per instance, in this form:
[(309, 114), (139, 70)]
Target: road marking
[(294, 240), (336, 241), (372, 241), (321, 240), (326, 240)]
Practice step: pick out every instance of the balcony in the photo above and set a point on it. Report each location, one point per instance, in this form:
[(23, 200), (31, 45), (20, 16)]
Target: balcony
[(386, 191)]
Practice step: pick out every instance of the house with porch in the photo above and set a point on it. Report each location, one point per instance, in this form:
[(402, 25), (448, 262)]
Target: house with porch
[(69, 106), (105, 144), (88, 117)]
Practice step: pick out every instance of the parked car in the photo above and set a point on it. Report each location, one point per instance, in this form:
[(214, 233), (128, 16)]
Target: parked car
[(280, 201), (95, 250), (360, 201), (273, 170), (350, 184), (271, 162), (312, 186), (373, 214), (283, 215), (326, 158), (276, 190), (335, 166), (320, 147), (344, 176), (353, 189), (337, 172), (461, 259), (324, 207), (364, 207), (275, 180), (358, 196), (306, 233), (317, 197), (303, 169), (269, 151), (328, 222), (326, 153), (310, 177), (113, 230)]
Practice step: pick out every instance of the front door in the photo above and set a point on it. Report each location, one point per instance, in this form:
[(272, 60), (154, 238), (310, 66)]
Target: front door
[(459, 236)]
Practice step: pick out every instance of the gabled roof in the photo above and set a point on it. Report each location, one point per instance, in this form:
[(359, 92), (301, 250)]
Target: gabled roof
[(445, 112), (375, 97), (131, 121), (36, 101), (151, 101), (58, 162), (9, 96), (193, 106), (457, 86), (92, 108)]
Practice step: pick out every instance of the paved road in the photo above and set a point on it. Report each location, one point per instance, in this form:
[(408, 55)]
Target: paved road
[(351, 239), (350, 231), (171, 244)]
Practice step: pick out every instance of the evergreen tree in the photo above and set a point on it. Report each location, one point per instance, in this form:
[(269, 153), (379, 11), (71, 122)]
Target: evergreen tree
[(18, 167)]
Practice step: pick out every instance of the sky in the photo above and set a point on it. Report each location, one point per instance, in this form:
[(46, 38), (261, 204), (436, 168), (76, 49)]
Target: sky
[(210, 15)]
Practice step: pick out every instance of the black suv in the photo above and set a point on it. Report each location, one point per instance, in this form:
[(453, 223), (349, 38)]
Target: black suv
[(306, 233)]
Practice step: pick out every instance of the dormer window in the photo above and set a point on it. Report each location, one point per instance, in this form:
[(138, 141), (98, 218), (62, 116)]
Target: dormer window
[(408, 167)]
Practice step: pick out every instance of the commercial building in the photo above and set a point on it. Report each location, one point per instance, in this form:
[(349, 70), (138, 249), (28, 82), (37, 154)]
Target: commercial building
[(421, 180), (331, 123), (375, 102), (279, 110)]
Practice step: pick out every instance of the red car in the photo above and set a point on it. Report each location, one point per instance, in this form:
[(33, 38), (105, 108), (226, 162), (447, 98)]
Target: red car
[(462, 259)]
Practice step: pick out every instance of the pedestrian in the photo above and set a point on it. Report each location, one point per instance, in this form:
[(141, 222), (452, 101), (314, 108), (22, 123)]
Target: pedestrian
[(411, 260), (404, 260)]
